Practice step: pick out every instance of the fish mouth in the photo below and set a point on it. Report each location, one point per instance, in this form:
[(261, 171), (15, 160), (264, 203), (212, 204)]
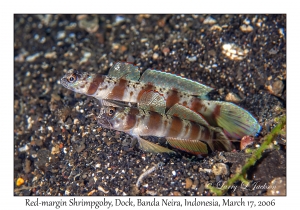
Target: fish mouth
[(64, 82)]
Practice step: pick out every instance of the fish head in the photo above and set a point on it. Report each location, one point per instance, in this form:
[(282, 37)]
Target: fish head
[(117, 118), (80, 82)]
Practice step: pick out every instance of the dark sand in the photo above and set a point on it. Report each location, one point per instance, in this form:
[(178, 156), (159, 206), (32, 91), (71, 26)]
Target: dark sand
[(60, 150)]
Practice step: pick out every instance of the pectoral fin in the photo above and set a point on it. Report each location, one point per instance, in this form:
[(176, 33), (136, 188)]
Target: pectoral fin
[(153, 101), (187, 114), (148, 146), (191, 146)]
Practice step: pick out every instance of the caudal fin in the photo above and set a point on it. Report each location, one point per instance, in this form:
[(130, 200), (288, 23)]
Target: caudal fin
[(235, 121)]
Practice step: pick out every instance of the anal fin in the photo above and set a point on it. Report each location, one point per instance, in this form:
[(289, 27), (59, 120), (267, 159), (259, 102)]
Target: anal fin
[(148, 146), (194, 147), (221, 141)]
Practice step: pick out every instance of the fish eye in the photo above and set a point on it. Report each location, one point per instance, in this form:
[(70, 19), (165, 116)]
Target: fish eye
[(72, 78), (111, 111)]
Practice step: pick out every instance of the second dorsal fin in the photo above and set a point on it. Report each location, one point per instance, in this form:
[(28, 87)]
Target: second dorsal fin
[(167, 80), (158, 78)]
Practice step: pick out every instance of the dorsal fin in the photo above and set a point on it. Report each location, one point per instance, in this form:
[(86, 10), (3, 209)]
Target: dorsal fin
[(167, 80), (158, 78), (187, 114), (124, 70)]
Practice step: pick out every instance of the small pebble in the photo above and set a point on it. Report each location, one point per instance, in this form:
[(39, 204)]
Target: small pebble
[(194, 187), (165, 51), (76, 121), (209, 20), (123, 48), (281, 32), (119, 19), (90, 26), (155, 56), (61, 35), (85, 58), (234, 52), (91, 192), (216, 28), (20, 181), (246, 28), (24, 148), (246, 140), (176, 193), (103, 190), (188, 183), (192, 59), (151, 192), (246, 21), (55, 150), (277, 87), (50, 55), (144, 40), (232, 97), (33, 57), (115, 46), (220, 169), (67, 192)]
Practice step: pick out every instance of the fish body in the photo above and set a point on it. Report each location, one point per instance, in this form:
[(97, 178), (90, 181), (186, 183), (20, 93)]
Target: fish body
[(160, 92), (182, 134)]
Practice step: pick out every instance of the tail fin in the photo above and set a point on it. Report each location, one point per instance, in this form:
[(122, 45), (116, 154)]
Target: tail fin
[(235, 121)]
